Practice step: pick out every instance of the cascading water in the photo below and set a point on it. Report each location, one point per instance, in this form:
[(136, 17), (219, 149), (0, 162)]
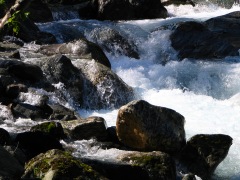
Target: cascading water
[(206, 93)]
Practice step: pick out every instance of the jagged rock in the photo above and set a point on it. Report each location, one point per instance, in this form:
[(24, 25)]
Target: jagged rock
[(34, 143), (195, 40), (128, 10), (113, 42), (92, 127), (10, 168), (79, 49), (53, 129), (4, 137), (103, 88), (203, 153), (146, 127), (56, 164), (59, 68)]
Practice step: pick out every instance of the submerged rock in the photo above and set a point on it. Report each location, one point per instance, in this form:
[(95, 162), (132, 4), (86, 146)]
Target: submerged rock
[(56, 164), (203, 153), (92, 127), (146, 127)]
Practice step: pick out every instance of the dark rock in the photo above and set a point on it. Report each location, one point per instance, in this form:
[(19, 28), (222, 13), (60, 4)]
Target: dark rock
[(62, 113), (114, 43), (53, 129), (60, 69), (13, 90), (189, 176), (24, 110), (203, 153), (10, 168), (112, 134), (128, 10), (103, 88), (56, 164), (92, 127), (5, 138), (178, 2), (22, 70), (39, 11), (81, 49), (34, 143), (146, 127), (195, 40), (17, 153)]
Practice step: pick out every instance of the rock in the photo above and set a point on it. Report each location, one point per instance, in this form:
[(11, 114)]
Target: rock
[(136, 165), (80, 49), (178, 2), (53, 129), (92, 127), (4, 137), (59, 68), (102, 87), (203, 153), (114, 43), (189, 176), (62, 113), (195, 40), (13, 90), (34, 143), (17, 153), (24, 110), (56, 164), (39, 11), (10, 168), (22, 70), (146, 127), (129, 10)]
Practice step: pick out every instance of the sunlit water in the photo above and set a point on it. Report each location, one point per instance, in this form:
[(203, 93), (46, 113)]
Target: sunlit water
[(206, 93)]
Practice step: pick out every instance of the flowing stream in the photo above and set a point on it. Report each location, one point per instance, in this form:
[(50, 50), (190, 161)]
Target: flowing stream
[(206, 93)]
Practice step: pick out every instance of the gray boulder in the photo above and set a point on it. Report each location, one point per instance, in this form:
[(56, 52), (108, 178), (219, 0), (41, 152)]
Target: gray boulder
[(146, 127)]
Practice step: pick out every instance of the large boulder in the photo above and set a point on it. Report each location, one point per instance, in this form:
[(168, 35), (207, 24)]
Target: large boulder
[(92, 127), (57, 164), (146, 127), (10, 168), (195, 40), (128, 10), (80, 49), (203, 153), (103, 88)]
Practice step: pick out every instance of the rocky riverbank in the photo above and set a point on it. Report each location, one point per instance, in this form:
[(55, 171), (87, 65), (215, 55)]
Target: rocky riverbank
[(152, 137)]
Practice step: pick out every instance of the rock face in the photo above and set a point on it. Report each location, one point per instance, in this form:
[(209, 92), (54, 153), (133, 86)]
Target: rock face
[(203, 153), (143, 126), (57, 164), (10, 168), (195, 40), (92, 127)]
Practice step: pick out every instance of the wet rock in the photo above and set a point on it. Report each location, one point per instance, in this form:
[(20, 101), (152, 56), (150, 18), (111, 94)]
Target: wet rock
[(146, 127), (56, 164), (23, 110), (62, 113), (92, 127), (53, 129), (17, 153), (22, 70), (114, 43), (13, 90), (34, 143), (179, 2), (60, 69), (203, 153), (103, 88), (128, 10), (79, 49), (195, 40), (189, 176), (10, 168), (4, 137)]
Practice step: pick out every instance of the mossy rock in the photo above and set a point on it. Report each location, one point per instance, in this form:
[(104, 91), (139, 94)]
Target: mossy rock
[(57, 164)]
